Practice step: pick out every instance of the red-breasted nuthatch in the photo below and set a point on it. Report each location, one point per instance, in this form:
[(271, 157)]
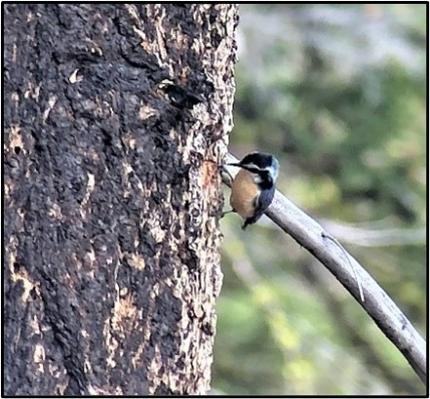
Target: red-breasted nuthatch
[(253, 188)]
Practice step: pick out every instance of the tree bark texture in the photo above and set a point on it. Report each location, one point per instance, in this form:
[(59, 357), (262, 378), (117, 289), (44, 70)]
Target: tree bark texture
[(116, 119)]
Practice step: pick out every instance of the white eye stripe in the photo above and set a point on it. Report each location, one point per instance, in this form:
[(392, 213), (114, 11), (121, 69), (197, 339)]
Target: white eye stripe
[(254, 166), (255, 169), (251, 165)]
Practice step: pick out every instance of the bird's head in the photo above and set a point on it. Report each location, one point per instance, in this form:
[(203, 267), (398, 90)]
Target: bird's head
[(263, 165)]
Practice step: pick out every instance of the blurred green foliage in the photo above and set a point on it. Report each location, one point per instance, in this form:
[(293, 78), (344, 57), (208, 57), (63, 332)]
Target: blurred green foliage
[(338, 93)]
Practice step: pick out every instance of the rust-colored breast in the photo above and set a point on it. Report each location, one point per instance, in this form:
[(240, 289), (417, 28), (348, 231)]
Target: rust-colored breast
[(243, 193)]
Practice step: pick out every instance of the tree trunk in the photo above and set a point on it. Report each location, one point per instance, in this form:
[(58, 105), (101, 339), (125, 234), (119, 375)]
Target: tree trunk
[(115, 118)]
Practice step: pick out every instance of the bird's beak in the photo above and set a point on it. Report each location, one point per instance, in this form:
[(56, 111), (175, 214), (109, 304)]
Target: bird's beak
[(235, 164)]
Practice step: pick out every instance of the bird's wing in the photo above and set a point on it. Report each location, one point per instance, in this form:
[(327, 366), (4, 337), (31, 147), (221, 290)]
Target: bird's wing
[(262, 202)]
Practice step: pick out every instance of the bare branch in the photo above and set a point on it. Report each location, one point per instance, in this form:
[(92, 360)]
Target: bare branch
[(389, 318)]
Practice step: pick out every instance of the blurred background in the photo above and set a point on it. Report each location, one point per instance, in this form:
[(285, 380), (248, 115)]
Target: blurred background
[(338, 94)]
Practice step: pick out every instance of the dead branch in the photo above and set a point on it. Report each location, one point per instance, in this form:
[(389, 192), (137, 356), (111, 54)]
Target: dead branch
[(388, 317)]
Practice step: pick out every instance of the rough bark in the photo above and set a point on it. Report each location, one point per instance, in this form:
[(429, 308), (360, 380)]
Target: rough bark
[(112, 195)]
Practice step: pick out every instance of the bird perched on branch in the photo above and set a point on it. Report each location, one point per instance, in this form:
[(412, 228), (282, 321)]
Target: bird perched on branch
[(253, 188)]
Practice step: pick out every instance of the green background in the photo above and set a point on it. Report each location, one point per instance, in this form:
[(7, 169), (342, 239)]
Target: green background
[(338, 94)]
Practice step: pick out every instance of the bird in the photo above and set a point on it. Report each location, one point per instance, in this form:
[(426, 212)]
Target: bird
[(253, 188)]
